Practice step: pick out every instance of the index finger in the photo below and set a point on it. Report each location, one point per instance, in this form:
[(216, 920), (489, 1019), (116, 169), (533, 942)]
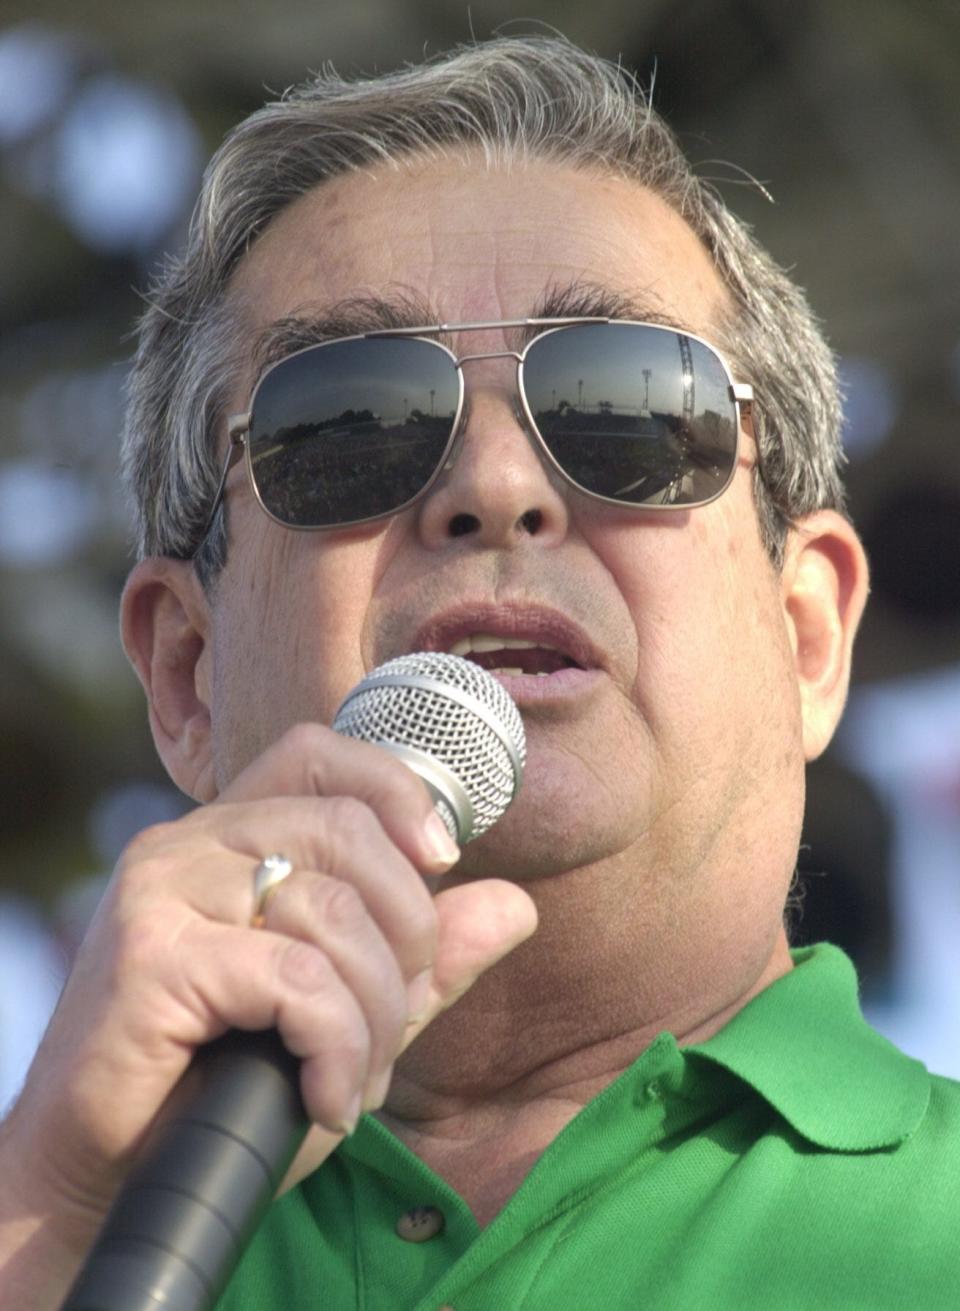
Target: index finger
[(312, 760)]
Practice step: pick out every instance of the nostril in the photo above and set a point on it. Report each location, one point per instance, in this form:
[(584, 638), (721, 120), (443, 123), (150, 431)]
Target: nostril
[(462, 524), (531, 522)]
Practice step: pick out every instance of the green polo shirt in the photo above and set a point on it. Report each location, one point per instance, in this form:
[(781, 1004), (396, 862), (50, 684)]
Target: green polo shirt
[(796, 1159)]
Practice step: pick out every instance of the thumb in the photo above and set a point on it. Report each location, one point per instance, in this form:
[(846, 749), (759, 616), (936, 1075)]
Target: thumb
[(478, 924)]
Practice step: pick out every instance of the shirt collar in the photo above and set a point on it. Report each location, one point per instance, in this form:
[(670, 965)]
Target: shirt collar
[(805, 1047)]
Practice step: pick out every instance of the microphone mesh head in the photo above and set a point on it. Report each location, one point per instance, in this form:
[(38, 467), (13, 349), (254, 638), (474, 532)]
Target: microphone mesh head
[(451, 711)]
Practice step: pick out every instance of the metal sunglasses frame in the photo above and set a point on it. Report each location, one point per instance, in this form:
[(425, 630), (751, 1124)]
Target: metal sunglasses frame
[(238, 426)]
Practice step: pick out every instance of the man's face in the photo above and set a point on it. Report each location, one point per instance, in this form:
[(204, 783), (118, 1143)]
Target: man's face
[(679, 740)]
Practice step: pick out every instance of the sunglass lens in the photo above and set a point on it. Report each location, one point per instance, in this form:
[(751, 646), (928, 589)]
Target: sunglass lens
[(349, 430), (634, 413)]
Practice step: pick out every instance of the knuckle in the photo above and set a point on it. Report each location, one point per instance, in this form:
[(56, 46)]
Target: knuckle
[(138, 883), (351, 817), (329, 1021), (141, 947), (149, 839), (337, 904), (394, 784), (146, 856), (349, 1037), (305, 739), (412, 790), (304, 968)]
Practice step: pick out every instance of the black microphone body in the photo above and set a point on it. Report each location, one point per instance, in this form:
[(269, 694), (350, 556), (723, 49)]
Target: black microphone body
[(207, 1173), (230, 1129)]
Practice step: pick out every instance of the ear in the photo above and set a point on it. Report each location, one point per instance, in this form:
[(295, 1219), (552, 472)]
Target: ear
[(165, 627), (825, 585)]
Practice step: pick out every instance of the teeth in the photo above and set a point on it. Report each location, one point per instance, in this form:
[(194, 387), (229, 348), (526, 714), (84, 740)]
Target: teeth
[(520, 673), (488, 642)]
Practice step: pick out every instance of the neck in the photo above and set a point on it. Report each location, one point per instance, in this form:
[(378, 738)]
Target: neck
[(567, 1012), (487, 1086)]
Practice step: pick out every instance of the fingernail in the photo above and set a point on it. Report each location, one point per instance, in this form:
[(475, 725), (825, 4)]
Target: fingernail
[(418, 994), (349, 1121), (442, 846)]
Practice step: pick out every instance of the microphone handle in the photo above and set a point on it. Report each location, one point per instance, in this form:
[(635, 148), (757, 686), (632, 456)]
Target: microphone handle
[(208, 1171)]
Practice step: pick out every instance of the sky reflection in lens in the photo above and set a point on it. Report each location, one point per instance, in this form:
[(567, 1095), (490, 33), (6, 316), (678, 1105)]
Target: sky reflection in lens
[(635, 413), (355, 429), (351, 429)]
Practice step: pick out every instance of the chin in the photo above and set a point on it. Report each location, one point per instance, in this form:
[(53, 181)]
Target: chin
[(537, 840)]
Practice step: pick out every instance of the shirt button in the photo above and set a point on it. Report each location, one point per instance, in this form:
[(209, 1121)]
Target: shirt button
[(419, 1224), (653, 1091)]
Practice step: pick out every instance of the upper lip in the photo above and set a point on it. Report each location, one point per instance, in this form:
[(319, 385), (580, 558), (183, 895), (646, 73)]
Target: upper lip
[(537, 623)]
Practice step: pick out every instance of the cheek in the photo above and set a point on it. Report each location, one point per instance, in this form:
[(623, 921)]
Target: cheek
[(289, 631), (713, 665)]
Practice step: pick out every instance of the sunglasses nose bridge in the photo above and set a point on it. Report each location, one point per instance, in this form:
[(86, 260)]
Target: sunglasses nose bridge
[(487, 355), (466, 408)]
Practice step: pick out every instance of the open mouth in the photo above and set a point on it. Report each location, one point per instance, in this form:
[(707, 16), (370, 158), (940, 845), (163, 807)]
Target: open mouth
[(513, 656)]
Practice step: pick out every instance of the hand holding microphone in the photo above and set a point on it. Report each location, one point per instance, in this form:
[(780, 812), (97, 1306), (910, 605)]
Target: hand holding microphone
[(232, 1126)]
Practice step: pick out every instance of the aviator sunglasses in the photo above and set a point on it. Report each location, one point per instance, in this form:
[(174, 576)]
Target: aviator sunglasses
[(360, 427)]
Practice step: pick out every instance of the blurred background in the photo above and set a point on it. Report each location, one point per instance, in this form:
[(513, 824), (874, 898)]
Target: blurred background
[(848, 114)]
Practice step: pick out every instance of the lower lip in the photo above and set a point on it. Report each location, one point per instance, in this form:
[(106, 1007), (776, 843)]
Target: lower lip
[(563, 684)]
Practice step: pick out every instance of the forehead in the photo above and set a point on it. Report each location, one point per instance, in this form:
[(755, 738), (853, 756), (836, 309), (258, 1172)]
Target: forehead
[(474, 242)]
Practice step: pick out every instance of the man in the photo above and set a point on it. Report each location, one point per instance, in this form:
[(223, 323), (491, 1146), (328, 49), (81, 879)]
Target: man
[(643, 1099)]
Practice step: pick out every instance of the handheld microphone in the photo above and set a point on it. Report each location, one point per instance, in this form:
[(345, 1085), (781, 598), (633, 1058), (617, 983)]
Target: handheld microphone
[(231, 1127)]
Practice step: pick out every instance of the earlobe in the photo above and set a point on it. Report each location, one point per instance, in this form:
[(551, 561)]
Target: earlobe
[(165, 622), (825, 584)]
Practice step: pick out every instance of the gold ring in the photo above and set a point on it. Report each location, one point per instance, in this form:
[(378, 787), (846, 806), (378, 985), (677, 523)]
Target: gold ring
[(267, 877)]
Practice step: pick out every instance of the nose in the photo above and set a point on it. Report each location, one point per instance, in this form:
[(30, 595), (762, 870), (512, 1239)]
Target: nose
[(498, 491)]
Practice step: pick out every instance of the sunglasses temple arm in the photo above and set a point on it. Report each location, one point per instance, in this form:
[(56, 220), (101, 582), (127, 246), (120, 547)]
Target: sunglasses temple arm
[(234, 452), (742, 393)]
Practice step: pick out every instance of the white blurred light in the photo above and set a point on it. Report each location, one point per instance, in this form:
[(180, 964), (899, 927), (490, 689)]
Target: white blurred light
[(31, 975), (871, 404), (37, 70), (127, 161), (905, 737), (910, 727), (45, 514), (123, 811)]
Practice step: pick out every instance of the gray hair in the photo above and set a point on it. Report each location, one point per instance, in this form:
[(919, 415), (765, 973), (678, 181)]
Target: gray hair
[(511, 98)]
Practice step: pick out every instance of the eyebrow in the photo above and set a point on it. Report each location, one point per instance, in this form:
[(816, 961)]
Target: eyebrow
[(356, 315), (349, 317), (596, 300)]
